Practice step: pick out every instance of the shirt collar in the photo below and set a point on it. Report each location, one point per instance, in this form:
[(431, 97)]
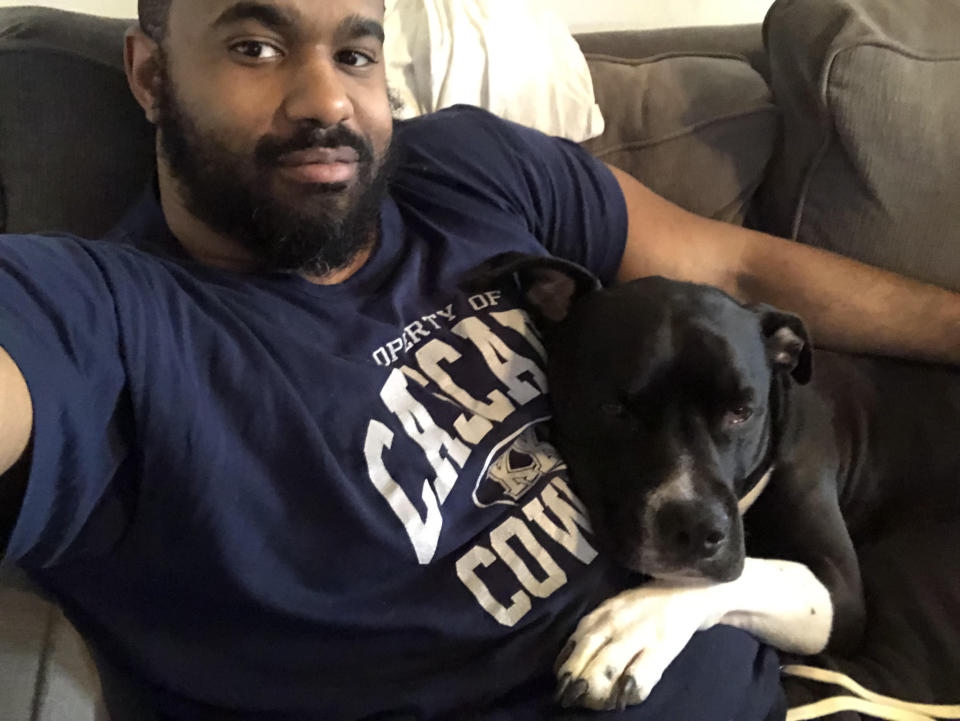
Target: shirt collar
[(145, 227)]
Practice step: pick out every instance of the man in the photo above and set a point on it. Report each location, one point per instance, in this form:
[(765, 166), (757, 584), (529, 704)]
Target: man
[(273, 462)]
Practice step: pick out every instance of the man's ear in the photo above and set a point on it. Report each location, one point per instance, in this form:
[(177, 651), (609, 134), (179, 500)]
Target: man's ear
[(787, 341), (141, 60), (548, 286)]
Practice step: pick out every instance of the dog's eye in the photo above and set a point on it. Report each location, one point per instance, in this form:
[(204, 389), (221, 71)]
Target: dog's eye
[(738, 415)]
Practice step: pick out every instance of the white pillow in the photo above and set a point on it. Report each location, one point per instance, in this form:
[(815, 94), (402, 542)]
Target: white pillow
[(515, 58)]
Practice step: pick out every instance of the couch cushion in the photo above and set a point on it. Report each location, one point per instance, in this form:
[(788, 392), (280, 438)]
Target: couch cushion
[(743, 40), (698, 129), (75, 149), (870, 165)]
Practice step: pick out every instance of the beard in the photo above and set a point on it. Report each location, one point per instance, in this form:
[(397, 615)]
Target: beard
[(313, 229)]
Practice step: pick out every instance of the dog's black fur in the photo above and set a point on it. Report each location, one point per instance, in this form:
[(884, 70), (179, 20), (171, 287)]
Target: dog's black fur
[(653, 371)]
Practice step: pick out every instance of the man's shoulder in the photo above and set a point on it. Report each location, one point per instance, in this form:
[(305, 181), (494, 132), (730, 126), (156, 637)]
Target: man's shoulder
[(52, 258), (46, 245), (469, 151), (465, 132), (61, 244), (452, 119)]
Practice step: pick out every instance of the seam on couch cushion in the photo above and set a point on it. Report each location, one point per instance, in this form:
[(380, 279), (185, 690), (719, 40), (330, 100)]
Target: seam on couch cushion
[(685, 130), (826, 119), (617, 60), (41, 684), (827, 114)]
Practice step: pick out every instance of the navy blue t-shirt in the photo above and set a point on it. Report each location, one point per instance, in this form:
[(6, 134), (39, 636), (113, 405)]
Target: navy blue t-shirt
[(270, 499)]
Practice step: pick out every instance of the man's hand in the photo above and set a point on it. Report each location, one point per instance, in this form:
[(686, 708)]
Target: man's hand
[(618, 653)]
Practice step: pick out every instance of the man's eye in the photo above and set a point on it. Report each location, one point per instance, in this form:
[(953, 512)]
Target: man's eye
[(355, 59), (256, 50)]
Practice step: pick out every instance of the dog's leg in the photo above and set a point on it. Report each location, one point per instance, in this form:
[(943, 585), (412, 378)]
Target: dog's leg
[(619, 651), (799, 518)]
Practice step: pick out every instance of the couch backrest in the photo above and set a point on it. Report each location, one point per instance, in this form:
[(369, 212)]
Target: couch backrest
[(75, 148), (743, 40)]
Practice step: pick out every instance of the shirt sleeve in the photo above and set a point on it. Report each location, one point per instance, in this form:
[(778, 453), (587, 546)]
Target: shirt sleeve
[(58, 323), (569, 200)]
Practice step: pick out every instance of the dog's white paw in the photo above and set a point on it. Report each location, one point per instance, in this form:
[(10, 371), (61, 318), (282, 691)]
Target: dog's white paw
[(618, 653)]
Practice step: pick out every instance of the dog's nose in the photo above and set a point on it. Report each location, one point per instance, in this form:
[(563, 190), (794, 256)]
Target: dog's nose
[(693, 530)]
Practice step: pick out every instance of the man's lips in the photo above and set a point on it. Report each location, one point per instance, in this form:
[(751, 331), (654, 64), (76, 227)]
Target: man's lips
[(320, 165), (320, 156)]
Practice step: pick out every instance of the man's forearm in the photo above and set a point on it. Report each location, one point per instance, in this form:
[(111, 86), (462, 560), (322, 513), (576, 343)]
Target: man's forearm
[(850, 306)]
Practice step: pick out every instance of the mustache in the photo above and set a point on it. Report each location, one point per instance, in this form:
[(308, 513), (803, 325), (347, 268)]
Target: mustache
[(271, 148)]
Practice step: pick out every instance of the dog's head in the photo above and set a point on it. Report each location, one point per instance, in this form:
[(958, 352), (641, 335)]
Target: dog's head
[(662, 394)]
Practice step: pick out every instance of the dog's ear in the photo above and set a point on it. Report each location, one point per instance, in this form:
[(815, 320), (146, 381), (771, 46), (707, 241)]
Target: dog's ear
[(788, 342), (548, 286)]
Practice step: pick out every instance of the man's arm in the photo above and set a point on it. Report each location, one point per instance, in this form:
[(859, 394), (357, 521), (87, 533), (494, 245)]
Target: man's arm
[(16, 413), (848, 305), (16, 427)]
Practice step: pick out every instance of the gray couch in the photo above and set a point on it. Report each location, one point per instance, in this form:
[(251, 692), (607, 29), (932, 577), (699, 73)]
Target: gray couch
[(834, 124)]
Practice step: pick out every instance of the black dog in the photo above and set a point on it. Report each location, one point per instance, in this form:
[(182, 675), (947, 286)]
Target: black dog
[(676, 407)]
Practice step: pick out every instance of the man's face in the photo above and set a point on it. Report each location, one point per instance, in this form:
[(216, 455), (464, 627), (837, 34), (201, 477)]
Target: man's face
[(275, 122)]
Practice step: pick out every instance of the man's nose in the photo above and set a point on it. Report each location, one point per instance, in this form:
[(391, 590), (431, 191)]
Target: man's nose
[(318, 94)]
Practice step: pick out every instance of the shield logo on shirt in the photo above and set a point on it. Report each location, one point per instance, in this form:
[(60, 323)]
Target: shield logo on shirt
[(518, 465)]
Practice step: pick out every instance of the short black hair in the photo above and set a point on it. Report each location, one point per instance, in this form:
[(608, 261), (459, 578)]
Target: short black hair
[(153, 16)]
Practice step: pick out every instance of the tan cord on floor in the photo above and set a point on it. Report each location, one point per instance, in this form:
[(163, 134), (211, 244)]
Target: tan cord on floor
[(883, 707)]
